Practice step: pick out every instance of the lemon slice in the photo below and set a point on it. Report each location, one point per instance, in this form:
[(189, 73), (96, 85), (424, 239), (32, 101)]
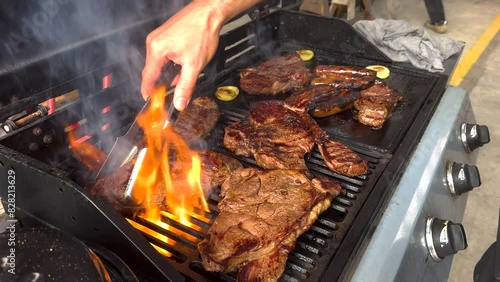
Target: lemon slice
[(227, 93), (382, 72), (305, 55)]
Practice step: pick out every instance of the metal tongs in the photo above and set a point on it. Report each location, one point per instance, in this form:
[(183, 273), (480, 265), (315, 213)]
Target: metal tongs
[(126, 147)]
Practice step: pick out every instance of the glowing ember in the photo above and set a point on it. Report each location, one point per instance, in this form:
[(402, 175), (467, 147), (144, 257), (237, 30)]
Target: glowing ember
[(85, 152)]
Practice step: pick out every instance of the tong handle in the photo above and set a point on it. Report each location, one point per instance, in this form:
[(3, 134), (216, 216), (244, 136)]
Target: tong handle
[(170, 71)]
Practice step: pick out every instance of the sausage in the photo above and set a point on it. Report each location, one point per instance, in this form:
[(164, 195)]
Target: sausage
[(341, 70), (339, 103), (341, 81)]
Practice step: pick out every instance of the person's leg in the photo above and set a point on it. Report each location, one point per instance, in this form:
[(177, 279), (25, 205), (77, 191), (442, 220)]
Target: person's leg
[(435, 10), (437, 21)]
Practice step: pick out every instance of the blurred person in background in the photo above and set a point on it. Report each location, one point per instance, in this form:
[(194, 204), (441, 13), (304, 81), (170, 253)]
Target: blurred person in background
[(437, 21)]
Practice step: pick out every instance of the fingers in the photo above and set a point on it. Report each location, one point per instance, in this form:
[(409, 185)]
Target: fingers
[(152, 70), (185, 86)]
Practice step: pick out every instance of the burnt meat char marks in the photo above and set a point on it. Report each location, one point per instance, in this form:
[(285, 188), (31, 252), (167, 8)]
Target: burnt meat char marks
[(262, 213), (277, 75), (278, 138)]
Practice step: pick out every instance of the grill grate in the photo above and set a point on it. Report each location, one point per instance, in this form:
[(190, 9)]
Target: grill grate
[(313, 250)]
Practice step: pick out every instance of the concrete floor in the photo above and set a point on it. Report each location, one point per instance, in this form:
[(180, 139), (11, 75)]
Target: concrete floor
[(466, 22)]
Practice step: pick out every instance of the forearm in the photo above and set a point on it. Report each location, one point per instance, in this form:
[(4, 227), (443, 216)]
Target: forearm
[(224, 10)]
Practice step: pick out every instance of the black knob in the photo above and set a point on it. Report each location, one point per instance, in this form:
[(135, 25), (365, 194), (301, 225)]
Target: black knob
[(474, 136), (444, 238), (462, 178)]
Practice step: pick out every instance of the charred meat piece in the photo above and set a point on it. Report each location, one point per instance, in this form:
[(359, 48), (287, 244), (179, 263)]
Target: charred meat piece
[(322, 101), (262, 213), (278, 75), (215, 168), (279, 137), (325, 70), (197, 120), (376, 105)]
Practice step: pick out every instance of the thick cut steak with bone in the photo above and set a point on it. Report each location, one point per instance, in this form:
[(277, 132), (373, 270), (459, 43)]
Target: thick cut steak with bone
[(262, 213), (277, 75), (278, 138)]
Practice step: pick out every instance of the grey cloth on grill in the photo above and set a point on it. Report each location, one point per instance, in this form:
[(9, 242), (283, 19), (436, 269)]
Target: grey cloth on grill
[(403, 42)]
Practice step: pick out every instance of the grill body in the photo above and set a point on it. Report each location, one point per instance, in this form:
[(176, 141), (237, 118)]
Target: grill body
[(398, 243), (51, 186)]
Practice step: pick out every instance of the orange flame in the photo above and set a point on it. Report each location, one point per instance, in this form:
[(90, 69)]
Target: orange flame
[(168, 159), (85, 152)]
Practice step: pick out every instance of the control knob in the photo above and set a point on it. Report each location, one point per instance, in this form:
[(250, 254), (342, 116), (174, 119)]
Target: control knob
[(474, 136), (444, 238), (462, 178)]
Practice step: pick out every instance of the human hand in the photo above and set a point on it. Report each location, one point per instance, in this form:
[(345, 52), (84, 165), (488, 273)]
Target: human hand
[(190, 39)]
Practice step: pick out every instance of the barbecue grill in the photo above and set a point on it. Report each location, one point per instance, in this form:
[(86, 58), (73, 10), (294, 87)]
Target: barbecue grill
[(51, 185)]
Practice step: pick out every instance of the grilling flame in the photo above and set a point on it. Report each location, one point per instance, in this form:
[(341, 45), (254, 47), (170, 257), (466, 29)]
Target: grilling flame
[(166, 167), (170, 164)]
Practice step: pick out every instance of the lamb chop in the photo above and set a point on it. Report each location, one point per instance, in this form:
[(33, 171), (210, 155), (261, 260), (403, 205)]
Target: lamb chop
[(376, 104), (197, 120), (278, 138), (278, 75), (262, 213)]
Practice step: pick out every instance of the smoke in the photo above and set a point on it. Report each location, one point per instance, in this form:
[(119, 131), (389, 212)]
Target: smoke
[(76, 37)]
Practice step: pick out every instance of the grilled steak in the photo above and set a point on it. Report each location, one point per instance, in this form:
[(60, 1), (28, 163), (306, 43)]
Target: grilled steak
[(262, 213), (376, 104), (197, 120), (339, 158), (275, 76), (278, 138), (215, 168), (322, 100)]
